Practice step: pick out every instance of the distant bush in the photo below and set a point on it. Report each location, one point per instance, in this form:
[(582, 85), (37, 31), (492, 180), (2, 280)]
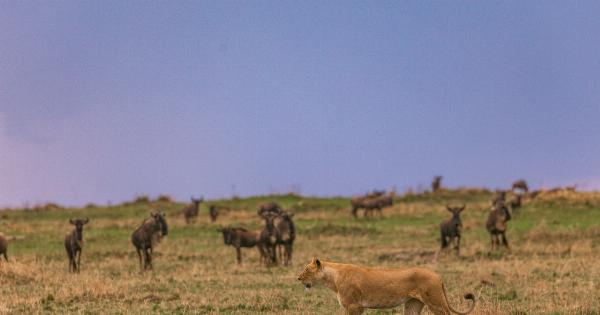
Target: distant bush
[(164, 198), (141, 199)]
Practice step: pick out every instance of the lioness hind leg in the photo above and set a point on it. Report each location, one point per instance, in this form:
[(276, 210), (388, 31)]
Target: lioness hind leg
[(413, 307), (436, 301)]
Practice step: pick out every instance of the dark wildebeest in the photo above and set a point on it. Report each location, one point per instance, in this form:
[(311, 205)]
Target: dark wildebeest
[(147, 235), (436, 184), (499, 197), (450, 229), (378, 203), (74, 244), (286, 234), (359, 202), (213, 211), (515, 203), (3, 246), (190, 212), (520, 184), (268, 238), (497, 223), (239, 237), (269, 207)]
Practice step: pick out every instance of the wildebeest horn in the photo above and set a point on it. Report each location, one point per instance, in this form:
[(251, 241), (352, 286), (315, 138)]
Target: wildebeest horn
[(71, 221), (86, 220)]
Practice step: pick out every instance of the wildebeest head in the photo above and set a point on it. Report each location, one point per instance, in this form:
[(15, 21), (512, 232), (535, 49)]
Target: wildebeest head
[(269, 218), (287, 216), (79, 223), (227, 235), (456, 214), (161, 222), (197, 202)]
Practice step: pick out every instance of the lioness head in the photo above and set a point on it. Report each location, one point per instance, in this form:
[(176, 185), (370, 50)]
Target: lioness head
[(311, 273)]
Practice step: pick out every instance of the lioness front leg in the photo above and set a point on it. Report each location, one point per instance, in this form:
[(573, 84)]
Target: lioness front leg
[(353, 309)]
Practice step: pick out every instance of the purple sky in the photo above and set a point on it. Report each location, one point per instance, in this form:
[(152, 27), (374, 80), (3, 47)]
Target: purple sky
[(104, 100)]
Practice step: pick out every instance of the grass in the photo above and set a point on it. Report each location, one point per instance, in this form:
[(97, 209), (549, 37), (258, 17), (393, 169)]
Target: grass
[(552, 269)]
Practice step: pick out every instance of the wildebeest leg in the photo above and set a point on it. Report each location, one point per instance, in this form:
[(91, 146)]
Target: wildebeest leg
[(492, 242), (444, 241), (413, 307), (497, 241), (261, 252), (505, 241), (238, 253), (5, 256), (354, 211), (78, 254), (289, 248), (139, 252), (457, 245), (273, 254), (149, 258), (70, 254)]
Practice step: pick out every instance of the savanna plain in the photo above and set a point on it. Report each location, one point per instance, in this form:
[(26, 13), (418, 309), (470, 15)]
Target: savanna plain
[(553, 266)]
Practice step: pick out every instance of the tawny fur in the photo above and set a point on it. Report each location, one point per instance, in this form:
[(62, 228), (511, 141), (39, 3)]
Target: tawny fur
[(358, 288)]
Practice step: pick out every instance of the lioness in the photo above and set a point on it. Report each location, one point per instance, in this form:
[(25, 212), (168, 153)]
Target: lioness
[(358, 287)]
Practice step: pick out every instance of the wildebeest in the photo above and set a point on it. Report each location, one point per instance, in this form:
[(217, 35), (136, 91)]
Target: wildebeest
[(4, 246), (520, 184), (268, 238), (515, 203), (74, 244), (378, 203), (240, 237), (190, 212), (499, 197), (497, 223), (213, 212), (147, 235), (361, 202), (436, 184), (450, 229), (286, 234)]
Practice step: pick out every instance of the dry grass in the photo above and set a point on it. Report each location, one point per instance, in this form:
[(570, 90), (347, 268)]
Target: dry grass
[(552, 269)]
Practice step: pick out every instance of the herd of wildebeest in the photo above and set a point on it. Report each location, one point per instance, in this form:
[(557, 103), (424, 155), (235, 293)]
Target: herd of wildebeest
[(275, 241)]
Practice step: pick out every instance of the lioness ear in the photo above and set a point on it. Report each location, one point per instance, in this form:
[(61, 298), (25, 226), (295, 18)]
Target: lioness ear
[(318, 263)]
